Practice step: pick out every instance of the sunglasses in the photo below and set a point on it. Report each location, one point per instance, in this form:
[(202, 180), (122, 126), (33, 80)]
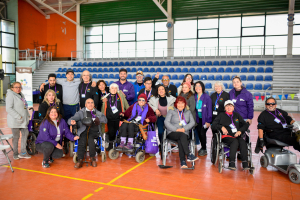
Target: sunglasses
[(142, 100), (165, 79), (269, 104), (139, 75)]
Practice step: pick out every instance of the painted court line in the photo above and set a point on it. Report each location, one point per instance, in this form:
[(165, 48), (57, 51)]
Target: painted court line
[(87, 196), (100, 183), (99, 189)]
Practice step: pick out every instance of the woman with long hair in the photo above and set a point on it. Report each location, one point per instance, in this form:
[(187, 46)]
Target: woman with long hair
[(50, 99)]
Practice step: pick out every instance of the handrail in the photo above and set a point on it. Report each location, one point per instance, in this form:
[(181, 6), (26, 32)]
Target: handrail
[(35, 54)]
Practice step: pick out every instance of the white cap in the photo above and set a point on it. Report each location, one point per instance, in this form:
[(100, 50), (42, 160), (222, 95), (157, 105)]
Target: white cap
[(228, 102)]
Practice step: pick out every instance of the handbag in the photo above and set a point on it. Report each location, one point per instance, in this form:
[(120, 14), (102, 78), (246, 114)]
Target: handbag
[(151, 142)]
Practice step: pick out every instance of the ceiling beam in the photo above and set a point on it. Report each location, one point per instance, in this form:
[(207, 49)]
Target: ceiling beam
[(161, 8), (66, 4), (37, 8)]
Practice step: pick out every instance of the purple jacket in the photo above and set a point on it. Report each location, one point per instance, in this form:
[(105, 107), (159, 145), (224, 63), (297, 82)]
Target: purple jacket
[(48, 132), (244, 103), (128, 90), (206, 108)]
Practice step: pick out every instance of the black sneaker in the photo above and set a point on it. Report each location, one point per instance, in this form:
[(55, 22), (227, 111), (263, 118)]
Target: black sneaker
[(45, 164), (202, 152), (232, 166), (50, 160), (191, 158), (183, 164), (245, 165)]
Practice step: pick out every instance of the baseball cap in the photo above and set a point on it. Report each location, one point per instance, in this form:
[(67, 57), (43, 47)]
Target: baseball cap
[(228, 102), (69, 70), (140, 72)]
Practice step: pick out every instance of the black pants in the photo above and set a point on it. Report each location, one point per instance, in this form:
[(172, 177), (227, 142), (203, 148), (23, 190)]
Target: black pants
[(113, 126), (202, 134), (49, 150), (91, 144), (288, 139), (234, 144), (183, 143), (128, 130)]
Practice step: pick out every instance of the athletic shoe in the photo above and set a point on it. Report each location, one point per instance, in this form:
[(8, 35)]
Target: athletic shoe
[(245, 165), (50, 160), (45, 164), (232, 166), (24, 155), (202, 152), (192, 158), (128, 146), (16, 157), (183, 164), (122, 145)]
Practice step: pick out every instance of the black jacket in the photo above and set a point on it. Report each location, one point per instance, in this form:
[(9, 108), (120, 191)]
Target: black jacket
[(44, 107), (59, 92), (224, 97), (100, 95), (90, 92), (153, 91), (172, 90)]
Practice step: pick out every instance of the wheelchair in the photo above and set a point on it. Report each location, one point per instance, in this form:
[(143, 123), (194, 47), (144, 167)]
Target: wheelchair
[(174, 145), (100, 147), (33, 129), (219, 151), (281, 159), (138, 150)]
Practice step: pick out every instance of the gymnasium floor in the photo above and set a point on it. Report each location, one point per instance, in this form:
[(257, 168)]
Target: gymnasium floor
[(124, 178)]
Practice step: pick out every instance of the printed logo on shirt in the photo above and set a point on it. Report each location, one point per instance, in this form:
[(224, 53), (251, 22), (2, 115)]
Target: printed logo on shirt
[(204, 105), (40, 97), (242, 100), (44, 129), (96, 93), (88, 90), (169, 91), (221, 99), (237, 120), (57, 92)]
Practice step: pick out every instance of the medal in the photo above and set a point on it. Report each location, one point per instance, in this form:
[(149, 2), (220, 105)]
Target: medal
[(180, 124)]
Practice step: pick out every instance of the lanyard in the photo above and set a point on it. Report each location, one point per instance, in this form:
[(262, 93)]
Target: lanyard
[(85, 88), (148, 94), (115, 101), (103, 94), (199, 98), (55, 87), (25, 102), (218, 97), (278, 115), (181, 116), (52, 104), (231, 117)]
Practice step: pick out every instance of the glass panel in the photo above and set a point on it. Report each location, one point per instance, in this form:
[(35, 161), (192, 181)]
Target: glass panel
[(207, 23), (208, 33), (110, 50), (296, 29), (8, 55), (280, 45), (127, 37), (110, 34), (207, 47), (230, 27), (161, 35), (94, 50), (161, 48), (93, 39), (127, 49), (8, 40), (145, 31), (296, 45), (9, 68), (297, 18), (185, 29), (161, 26), (94, 30), (253, 21), (185, 47), (253, 31), (276, 24), (229, 46), (252, 45), (145, 49), (128, 28), (7, 26)]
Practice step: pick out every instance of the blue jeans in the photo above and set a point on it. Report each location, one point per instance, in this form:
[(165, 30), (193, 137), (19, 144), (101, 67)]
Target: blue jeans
[(70, 111), (160, 125)]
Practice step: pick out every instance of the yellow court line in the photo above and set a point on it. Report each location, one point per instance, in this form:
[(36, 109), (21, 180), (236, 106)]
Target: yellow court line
[(99, 189), (107, 184), (87, 196), (129, 171)]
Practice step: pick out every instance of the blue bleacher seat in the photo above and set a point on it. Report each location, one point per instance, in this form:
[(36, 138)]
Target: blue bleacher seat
[(238, 63), (99, 64), (267, 85), (95, 64), (199, 70), (208, 86), (85, 64), (144, 63), (223, 63), (216, 63), (244, 70), (150, 63), (75, 69), (99, 75), (128, 69), (94, 76), (195, 63), (253, 62), (105, 69), (251, 78), (146, 70), (245, 62), (127, 63), (188, 63), (116, 64), (252, 70), (228, 70), (90, 64), (185, 70), (138, 63), (99, 69), (58, 76), (201, 63), (205, 70), (78, 76), (160, 76), (80, 64), (153, 76), (152, 69), (213, 70), (243, 78), (162, 63), (148, 75), (110, 64), (236, 70), (178, 70), (211, 77), (268, 78), (132, 63), (156, 63), (105, 76), (177, 84), (175, 63), (269, 62), (75, 64), (83, 69), (90, 70), (95, 70), (111, 69), (226, 78), (116, 69), (169, 63), (221, 70), (121, 64), (181, 77), (259, 78), (165, 69), (208, 63), (230, 63), (232, 76), (63, 76), (79, 69), (261, 62), (105, 64), (181, 63), (106, 82), (133, 69), (218, 77), (269, 70), (258, 86), (225, 85), (175, 77), (203, 77), (129, 76), (64, 69), (256, 94), (192, 70), (158, 69), (110, 82), (196, 77), (260, 70), (171, 69), (230, 86), (140, 69), (117, 76), (59, 70)]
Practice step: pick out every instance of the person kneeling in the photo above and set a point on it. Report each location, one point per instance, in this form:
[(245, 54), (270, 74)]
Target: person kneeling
[(49, 140), (89, 120), (138, 113), (179, 121), (232, 126)]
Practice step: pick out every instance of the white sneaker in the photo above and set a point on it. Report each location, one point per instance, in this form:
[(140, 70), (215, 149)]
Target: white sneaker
[(24, 155)]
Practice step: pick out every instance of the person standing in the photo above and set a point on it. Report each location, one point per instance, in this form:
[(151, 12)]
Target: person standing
[(57, 88), (218, 99), (125, 86), (103, 90), (86, 91), (170, 88), (149, 91)]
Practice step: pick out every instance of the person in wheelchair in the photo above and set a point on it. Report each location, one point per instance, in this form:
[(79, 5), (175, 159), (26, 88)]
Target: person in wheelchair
[(232, 126), (138, 113), (179, 122), (50, 99), (49, 140), (89, 119), (276, 120)]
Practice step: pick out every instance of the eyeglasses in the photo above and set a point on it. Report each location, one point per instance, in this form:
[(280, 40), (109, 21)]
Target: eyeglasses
[(142, 100), (165, 79), (18, 87), (188, 77), (270, 104), (139, 75)]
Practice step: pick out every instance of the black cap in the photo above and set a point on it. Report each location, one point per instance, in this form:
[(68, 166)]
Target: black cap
[(70, 70)]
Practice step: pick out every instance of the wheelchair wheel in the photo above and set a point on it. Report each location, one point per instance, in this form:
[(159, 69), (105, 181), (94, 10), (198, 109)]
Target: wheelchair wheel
[(71, 148), (150, 154), (30, 146), (264, 161), (294, 176), (140, 157), (103, 156), (113, 154), (220, 166), (251, 171), (214, 150), (75, 158)]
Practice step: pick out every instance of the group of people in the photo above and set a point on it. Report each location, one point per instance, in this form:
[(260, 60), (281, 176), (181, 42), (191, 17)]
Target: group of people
[(178, 110)]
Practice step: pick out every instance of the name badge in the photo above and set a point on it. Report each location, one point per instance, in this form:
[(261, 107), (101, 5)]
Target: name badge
[(137, 93), (114, 109), (284, 125), (199, 110), (277, 120), (234, 100), (82, 95), (233, 130), (232, 126), (217, 106), (138, 118), (182, 123), (215, 113), (125, 90)]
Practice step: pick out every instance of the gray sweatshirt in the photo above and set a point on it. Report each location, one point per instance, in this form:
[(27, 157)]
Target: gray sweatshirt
[(153, 102), (17, 115), (191, 103)]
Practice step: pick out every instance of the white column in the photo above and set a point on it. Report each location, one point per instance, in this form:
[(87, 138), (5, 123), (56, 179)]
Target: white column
[(290, 30), (170, 31), (79, 32)]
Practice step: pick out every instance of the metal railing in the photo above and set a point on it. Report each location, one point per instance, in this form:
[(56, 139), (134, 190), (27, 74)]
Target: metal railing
[(35, 54)]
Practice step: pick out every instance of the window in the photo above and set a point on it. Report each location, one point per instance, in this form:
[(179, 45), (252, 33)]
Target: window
[(110, 34), (145, 31), (276, 24), (185, 29), (230, 27), (279, 42)]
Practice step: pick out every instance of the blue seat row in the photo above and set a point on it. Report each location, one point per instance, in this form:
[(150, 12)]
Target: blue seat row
[(176, 63)]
